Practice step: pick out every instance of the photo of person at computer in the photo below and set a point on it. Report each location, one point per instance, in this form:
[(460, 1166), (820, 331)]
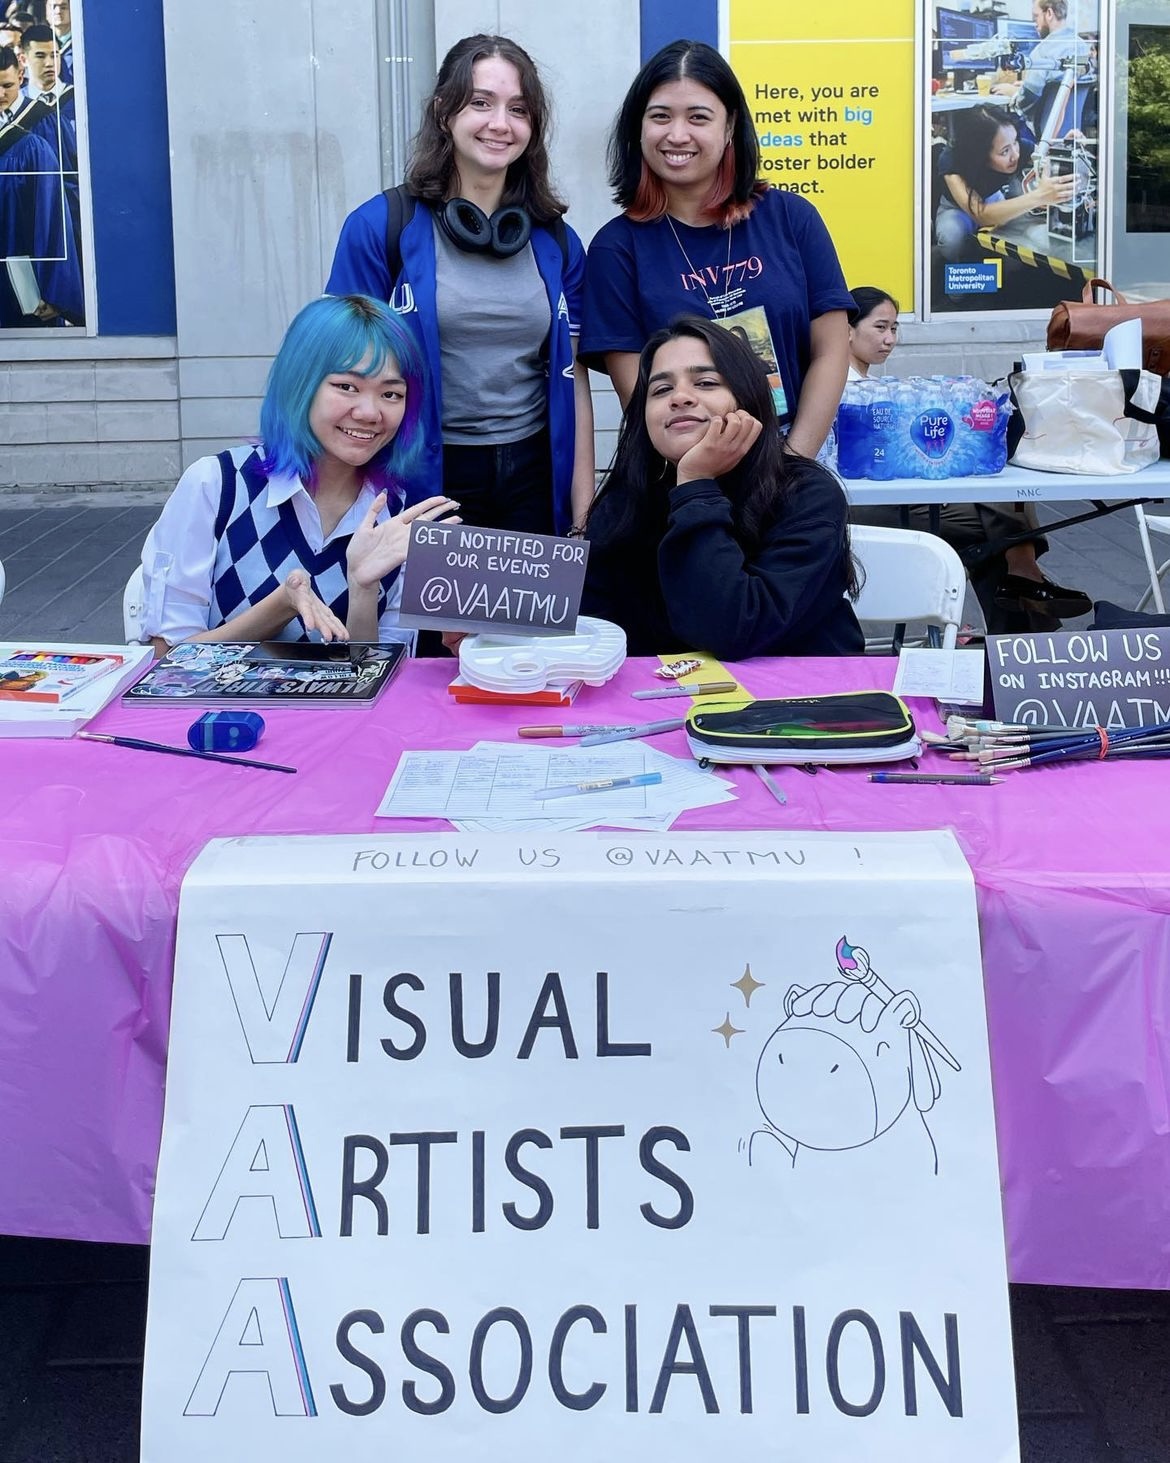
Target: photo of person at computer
[(1060, 49), (988, 179), (1012, 153)]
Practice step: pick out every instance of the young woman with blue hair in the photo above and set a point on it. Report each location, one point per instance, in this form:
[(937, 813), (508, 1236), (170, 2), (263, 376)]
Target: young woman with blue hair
[(302, 533)]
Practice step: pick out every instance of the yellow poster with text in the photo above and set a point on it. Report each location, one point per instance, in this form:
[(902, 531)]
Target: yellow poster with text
[(832, 88)]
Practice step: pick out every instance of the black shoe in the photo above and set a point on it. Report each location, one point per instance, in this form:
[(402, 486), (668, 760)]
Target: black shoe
[(1041, 597)]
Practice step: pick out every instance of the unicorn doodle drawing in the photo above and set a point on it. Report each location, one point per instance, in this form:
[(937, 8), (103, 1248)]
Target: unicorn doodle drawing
[(852, 1064)]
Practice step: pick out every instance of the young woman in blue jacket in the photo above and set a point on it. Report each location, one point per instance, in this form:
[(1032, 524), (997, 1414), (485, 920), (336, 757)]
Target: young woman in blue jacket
[(490, 281)]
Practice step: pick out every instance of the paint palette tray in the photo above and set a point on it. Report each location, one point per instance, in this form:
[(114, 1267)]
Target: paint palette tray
[(594, 654)]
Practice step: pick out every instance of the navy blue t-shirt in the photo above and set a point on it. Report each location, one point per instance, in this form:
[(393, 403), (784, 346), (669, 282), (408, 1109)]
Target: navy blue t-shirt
[(638, 277)]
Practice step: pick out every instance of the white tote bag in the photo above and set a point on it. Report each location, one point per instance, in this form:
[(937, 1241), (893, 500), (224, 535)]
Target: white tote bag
[(1074, 421)]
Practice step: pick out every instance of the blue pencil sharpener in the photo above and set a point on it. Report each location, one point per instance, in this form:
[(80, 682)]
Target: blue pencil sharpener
[(225, 731)]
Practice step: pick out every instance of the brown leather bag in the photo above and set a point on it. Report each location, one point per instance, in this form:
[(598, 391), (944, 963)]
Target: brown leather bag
[(1081, 326)]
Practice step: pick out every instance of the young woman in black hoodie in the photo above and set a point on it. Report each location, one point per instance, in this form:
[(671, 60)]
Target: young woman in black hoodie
[(708, 535)]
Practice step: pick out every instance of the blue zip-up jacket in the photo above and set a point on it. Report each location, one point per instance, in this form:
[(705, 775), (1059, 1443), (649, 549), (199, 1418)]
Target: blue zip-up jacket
[(360, 267)]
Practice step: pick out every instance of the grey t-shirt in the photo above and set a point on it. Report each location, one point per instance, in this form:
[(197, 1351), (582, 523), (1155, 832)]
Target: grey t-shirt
[(494, 318)]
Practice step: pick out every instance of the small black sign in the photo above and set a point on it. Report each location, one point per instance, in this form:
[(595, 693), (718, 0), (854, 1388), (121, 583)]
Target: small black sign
[(1109, 678), (458, 577)]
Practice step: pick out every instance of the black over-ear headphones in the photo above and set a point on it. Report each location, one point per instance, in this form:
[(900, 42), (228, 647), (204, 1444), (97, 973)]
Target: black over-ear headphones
[(468, 227)]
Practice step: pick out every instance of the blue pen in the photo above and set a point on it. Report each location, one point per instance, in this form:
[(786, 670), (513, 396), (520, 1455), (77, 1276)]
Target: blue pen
[(624, 733), (600, 784)]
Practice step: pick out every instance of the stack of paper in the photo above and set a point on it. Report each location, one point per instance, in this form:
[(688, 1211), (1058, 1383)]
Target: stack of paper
[(496, 787), (1121, 350)]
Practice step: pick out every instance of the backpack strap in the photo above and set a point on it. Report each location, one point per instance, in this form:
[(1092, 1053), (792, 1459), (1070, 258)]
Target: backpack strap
[(561, 234), (400, 206)]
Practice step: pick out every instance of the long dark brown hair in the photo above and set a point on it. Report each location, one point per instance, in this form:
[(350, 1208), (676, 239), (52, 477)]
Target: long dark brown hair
[(432, 163), (633, 502), (975, 132)]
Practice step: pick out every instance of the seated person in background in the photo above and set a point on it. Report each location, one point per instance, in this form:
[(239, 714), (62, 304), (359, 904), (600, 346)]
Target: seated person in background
[(707, 535), (1010, 586), (873, 330), (987, 180), (304, 532)]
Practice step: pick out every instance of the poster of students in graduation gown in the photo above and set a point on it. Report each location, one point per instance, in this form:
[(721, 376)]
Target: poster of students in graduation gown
[(41, 271)]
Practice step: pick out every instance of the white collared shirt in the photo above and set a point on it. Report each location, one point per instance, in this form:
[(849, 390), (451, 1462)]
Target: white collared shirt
[(56, 91), (179, 555)]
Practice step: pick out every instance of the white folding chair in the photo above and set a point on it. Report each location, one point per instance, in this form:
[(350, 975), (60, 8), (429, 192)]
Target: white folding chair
[(1149, 523), (134, 606), (909, 577)]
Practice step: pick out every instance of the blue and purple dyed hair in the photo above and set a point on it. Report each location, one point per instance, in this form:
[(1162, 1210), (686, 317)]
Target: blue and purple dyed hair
[(340, 333)]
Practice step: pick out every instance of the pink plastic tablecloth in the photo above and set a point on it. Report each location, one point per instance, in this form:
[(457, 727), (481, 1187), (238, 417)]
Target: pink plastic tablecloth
[(1071, 867)]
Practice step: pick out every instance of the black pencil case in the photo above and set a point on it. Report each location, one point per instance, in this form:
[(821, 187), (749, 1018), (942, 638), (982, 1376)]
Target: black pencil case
[(852, 727)]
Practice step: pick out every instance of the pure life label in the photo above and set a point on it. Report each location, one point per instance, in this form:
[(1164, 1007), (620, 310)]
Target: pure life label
[(458, 577)]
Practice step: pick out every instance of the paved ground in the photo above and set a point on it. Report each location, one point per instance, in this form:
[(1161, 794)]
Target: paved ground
[(67, 565), (1093, 1367)]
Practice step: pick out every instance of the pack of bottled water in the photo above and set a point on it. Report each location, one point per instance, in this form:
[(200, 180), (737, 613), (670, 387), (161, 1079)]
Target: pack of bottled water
[(921, 427)]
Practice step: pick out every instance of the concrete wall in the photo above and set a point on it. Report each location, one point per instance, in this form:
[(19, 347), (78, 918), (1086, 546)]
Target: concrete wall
[(88, 412), (958, 348), (267, 154)]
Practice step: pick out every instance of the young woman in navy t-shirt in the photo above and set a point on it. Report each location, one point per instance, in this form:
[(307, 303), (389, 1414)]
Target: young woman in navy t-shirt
[(701, 234)]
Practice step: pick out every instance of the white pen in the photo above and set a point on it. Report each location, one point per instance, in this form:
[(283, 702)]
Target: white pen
[(700, 688), (770, 783), (600, 784), (624, 733)]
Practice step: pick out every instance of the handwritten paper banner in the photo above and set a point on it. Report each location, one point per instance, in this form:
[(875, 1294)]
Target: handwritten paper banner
[(557, 1147)]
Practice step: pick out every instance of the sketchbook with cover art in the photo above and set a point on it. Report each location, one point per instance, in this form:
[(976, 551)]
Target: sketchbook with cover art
[(268, 673)]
